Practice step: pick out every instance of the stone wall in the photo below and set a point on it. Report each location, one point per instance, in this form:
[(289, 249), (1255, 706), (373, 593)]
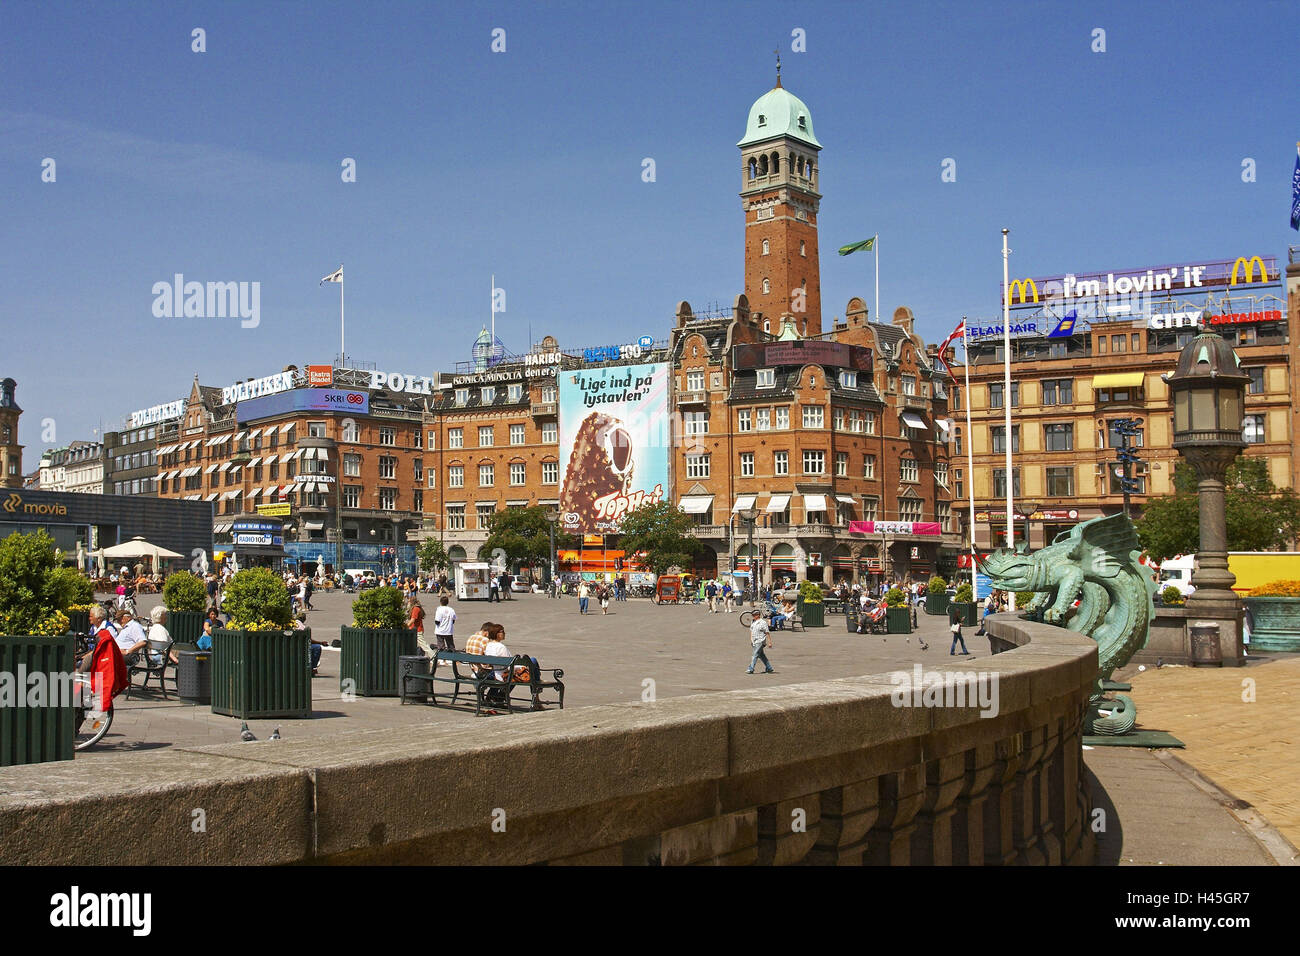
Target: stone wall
[(821, 773)]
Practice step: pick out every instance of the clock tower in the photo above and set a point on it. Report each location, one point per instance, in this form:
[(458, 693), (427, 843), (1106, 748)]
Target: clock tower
[(779, 180)]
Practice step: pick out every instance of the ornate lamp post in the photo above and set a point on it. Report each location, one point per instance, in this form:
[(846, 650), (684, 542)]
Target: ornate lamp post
[(1208, 389), (750, 516), (552, 516)]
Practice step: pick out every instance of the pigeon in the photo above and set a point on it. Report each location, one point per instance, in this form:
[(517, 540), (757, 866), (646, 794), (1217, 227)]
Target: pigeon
[(275, 735), (244, 733), (1160, 662)]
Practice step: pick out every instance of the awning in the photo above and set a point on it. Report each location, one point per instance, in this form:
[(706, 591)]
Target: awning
[(913, 420), (209, 443), (291, 489), (253, 462), (210, 469), (298, 453), (848, 500), (165, 450), (1118, 380), (253, 493), (323, 454), (220, 528), (814, 502), (221, 440), (778, 503), (943, 424), (211, 497), (696, 504), (743, 502), (239, 435), (287, 427), (284, 458), (314, 525), (224, 466), (237, 492)]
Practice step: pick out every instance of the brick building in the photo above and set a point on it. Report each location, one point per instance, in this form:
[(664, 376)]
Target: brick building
[(11, 453)]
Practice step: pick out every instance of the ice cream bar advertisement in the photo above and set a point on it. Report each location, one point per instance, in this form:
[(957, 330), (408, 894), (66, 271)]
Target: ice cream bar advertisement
[(614, 440)]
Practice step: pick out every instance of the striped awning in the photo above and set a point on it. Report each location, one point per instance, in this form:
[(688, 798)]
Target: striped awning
[(254, 493), (210, 469), (224, 466), (253, 462), (778, 503), (211, 497)]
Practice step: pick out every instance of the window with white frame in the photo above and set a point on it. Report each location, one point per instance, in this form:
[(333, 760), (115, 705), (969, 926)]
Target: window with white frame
[(814, 462), (765, 378), (456, 476), (841, 464), (747, 464), (517, 473), (550, 432), (550, 472), (487, 394), (837, 418), (695, 380), (941, 472), (763, 419), (870, 507), (486, 436), (387, 466), (744, 420), (869, 422), (516, 434), (944, 509), (697, 466), (486, 474), (697, 423), (455, 517), (431, 440), (387, 435), (352, 466), (485, 513), (848, 379), (855, 421), (781, 463), (909, 509), (462, 396), (387, 499), (549, 393), (432, 476), (868, 466), (908, 470), (351, 496), (417, 465), (316, 429), (909, 384), (783, 417), (515, 392), (456, 438), (814, 416)]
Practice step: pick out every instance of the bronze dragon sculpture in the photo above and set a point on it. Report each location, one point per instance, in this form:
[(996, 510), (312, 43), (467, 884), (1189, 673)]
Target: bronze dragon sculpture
[(1096, 564)]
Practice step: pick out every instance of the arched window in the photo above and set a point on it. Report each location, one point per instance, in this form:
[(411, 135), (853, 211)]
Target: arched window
[(765, 252), (762, 120), (767, 326), (776, 163), (803, 251), (800, 165), (767, 285), (753, 167), (762, 165)]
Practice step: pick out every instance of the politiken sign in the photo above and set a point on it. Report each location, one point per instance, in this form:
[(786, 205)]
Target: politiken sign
[(614, 444)]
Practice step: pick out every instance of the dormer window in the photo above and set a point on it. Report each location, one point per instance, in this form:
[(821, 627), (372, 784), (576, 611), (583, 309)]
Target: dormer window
[(762, 120), (803, 122)]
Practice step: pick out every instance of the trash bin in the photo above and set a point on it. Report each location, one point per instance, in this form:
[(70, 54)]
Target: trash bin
[(413, 664), (194, 676), (1206, 650)]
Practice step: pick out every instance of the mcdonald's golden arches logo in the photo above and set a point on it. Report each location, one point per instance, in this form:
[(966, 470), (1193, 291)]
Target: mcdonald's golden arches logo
[(1019, 286), (1248, 267)]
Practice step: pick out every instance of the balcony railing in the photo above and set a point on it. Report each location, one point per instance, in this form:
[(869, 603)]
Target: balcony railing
[(693, 398), (544, 409)]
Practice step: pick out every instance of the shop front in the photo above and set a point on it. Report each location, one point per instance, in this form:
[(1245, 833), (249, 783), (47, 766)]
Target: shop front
[(257, 541)]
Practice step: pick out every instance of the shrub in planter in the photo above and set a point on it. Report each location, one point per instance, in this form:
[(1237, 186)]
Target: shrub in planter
[(1277, 589), (965, 594), (1275, 608), (1172, 597), (34, 594), (70, 587), (810, 592), (937, 585), (257, 600), (1023, 598), (379, 608), (185, 592), (895, 597), (936, 596)]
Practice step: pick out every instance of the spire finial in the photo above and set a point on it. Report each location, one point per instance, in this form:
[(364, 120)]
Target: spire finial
[(778, 68)]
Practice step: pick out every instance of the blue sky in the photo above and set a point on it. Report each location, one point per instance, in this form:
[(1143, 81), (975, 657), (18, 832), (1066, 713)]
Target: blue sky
[(225, 166)]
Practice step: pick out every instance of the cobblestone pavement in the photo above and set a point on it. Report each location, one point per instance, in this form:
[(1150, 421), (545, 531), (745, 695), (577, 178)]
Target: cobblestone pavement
[(638, 648), (1241, 726)]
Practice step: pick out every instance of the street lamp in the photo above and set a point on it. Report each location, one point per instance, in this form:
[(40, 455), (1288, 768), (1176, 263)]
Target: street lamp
[(552, 516), (750, 516), (1208, 389)]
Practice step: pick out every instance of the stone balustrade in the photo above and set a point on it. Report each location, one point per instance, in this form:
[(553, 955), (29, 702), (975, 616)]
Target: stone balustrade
[(829, 773)]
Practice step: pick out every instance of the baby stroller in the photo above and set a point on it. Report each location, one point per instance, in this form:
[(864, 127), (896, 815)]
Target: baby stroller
[(95, 690)]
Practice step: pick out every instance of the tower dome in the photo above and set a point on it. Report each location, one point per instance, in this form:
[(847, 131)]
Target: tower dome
[(778, 112)]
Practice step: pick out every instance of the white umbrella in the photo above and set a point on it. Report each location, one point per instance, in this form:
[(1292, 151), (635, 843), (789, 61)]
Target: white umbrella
[(137, 547)]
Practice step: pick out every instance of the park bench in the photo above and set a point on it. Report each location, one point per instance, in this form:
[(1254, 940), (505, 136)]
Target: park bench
[(142, 665), (503, 690)]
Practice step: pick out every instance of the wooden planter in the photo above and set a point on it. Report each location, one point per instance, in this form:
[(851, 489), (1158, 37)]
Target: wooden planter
[(369, 666), (44, 732), (257, 674)]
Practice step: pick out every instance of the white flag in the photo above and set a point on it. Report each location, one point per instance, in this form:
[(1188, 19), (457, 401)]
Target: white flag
[(334, 276)]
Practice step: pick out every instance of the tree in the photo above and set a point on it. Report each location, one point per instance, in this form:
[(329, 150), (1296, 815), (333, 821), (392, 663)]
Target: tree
[(32, 593), (1259, 515), (663, 533), (523, 534), (432, 555)]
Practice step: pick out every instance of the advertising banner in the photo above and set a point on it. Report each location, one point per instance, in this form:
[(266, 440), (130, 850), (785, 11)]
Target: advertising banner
[(894, 527), (354, 401), (614, 444)]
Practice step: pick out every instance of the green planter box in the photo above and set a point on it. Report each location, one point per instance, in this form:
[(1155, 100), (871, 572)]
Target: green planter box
[(78, 622), (899, 620), (936, 604), (44, 732), (369, 660), (969, 612), (813, 615), (257, 674), (1277, 623), (185, 627)]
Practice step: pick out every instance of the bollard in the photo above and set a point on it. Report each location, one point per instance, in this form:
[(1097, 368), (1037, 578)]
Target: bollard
[(1206, 649)]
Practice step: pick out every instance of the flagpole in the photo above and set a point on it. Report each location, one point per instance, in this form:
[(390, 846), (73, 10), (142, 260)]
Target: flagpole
[(343, 349), (493, 306), (875, 247), (970, 461), (1006, 390)]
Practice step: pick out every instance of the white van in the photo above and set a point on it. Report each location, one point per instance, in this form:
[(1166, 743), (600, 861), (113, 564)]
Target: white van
[(1178, 572), (362, 578)]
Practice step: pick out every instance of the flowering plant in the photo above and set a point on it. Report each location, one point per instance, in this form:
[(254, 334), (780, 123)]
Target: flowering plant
[(1277, 589)]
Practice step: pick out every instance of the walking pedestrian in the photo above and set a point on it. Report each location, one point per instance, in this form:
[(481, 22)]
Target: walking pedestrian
[(444, 625), (415, 622), (711, 592), (604, 598), (954, 625), (584, 593), (760, 638)]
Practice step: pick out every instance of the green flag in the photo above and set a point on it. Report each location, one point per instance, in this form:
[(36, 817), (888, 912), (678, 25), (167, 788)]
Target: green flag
[(864, 245)]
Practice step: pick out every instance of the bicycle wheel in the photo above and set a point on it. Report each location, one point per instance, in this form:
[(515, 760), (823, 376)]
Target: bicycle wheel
[(91, 729), (747, 618)]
